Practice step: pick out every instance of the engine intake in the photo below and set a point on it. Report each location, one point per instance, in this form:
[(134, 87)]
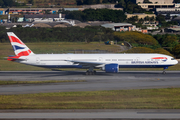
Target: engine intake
[(111, 68)]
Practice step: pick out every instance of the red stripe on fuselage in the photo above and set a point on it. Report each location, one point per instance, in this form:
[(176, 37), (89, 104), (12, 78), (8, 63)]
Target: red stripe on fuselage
[(14, 39), (159, 58)]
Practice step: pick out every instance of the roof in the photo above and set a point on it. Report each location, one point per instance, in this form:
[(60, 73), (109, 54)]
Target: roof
[(44, 16), (176, 18), (174, 29), (82, 25), (35, 9), (112, 25), (41, 25), (71, 9), (60, 25), (168, 12)]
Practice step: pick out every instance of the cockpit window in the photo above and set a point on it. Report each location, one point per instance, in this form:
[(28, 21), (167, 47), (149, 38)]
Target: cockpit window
[(172, 59)]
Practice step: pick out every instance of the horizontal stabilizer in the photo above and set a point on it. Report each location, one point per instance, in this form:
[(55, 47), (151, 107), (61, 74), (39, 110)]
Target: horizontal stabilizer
[(14, 58)]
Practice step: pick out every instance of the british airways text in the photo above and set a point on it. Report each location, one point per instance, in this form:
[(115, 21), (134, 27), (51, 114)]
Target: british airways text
[(144, 62)]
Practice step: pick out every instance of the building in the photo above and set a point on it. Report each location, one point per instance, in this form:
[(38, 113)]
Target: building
[(170, 13), (153, 6), (44, 18), (156, 4), (123, 27), (101, 6), (120, 26), (3, 11), (156, 1), (167, 9), (32, 10)]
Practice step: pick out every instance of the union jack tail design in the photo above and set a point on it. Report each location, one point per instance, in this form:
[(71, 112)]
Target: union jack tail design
[(20, 49)]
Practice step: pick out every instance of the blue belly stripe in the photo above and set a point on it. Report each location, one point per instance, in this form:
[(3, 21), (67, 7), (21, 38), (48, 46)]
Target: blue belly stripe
[(120, 66)]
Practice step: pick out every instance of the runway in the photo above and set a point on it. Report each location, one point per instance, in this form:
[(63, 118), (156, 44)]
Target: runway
[(101, 81), (95, 114)]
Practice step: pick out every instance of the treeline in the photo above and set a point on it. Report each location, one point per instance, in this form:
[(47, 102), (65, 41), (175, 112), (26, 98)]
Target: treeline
[(91, 2), (69, 34), (9, 3), (96, 15)]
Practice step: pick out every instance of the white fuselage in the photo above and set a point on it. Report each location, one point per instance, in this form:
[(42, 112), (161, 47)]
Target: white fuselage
[(123, 60)]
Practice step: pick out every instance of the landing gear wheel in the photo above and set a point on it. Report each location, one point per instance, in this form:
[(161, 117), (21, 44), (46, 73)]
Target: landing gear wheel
[(90, 72), (87, 72), (164, 72), (94, 72)]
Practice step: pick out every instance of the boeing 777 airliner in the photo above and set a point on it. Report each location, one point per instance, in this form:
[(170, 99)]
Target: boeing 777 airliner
[(107, 62)]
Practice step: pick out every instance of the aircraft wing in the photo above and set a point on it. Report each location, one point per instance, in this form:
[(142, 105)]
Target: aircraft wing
[(86, 64)]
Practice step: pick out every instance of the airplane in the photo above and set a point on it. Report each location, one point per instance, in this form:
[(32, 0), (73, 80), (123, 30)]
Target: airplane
[(109, 63)]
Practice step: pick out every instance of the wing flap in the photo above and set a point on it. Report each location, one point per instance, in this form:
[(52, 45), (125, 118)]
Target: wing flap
[(85, 63)]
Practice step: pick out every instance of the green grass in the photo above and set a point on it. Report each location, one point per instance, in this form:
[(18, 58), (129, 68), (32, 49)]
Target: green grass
[(117, 99), (2, 82)]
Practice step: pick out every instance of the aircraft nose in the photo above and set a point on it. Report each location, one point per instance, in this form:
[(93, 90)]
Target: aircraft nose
[(176, 62)]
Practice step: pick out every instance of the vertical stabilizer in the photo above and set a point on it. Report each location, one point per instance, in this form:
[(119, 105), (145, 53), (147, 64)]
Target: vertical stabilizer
[(20, 49)]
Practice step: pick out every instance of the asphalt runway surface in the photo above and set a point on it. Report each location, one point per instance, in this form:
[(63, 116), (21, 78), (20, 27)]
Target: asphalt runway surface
[(100, 81), (95, 114)]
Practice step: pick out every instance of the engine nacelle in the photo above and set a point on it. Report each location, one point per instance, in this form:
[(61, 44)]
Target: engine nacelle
[(111, 68)]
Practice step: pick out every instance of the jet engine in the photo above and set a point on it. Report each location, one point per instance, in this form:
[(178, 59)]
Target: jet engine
[(111, 68)]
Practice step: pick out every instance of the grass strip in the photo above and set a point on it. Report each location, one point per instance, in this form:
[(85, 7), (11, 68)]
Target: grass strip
[(37, 82), (167, 98)]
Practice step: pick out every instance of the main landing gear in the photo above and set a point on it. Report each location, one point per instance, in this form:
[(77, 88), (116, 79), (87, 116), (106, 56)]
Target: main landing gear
[(164, 71), (91, 71)]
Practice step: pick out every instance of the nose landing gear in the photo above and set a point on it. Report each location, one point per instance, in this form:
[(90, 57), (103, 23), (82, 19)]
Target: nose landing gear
[(164, 71)]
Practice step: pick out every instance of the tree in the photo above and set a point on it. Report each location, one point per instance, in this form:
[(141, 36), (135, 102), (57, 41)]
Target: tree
[(176, 50), (170, 42), (133, 19), (1, 2), (176, 1), (31, 2), (89, 2), (141, 21), (98, 14), (79, 2), (137, 39), (8, 3), (160, 18), (162, 51), (146, 1), (152, 19)]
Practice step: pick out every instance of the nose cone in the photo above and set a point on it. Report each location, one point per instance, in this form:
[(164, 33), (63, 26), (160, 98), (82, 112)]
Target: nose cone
[(176, 62)]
